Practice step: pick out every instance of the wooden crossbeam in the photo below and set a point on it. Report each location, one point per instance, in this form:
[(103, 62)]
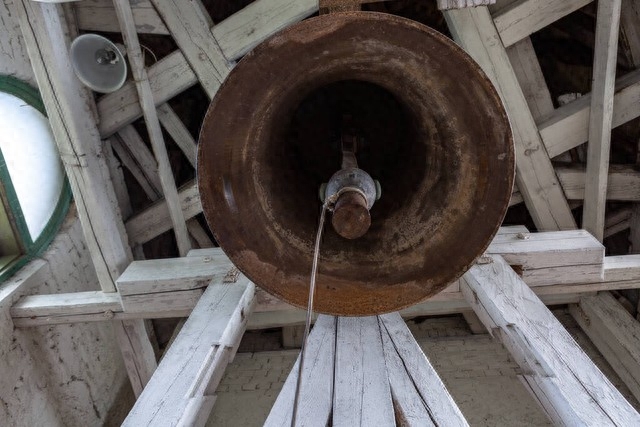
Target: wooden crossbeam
[(189, 25), (474, 30), (556, 371), (568, 126), (614, 332), (145, 96), (181, 389), (99, 15), (600, 117), (178, 132), (74, 127), (315, 402), (459, 4), (524, 17)]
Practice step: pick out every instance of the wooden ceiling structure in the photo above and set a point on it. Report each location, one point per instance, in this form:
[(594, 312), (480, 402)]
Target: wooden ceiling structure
[(508, 289)]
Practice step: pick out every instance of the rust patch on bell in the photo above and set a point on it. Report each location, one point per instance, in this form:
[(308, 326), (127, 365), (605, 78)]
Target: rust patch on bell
[(436, 137)]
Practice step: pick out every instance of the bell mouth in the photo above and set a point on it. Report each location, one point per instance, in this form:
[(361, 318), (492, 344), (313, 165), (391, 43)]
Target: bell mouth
[(305, 150), (435, 135)]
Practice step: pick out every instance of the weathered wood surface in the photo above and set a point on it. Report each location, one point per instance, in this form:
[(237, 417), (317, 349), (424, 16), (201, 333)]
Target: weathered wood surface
[(615, 333), (145, 97), (178, 132), (361, 395), (100, 15), (172, 75), (565, 381), (622, 183), (315, 401), (601, 116), (190, 29), (474, 30), (399, 343), (70, 111), (216, 322), (459, 4), (524, 17), (568, 126)]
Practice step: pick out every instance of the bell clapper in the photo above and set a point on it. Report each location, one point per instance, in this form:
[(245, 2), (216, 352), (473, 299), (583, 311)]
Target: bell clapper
[(351, 192)]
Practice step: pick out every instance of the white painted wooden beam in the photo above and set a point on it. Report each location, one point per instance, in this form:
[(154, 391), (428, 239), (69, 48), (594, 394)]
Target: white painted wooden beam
[(172, 75), (100, 15), (615, 333), (145, 94), (556, 371), (601, 115), (361, 394), (167, 77), (247, 28), (474, 30), (405, 360), (459, 4), (315, 402), (189, 27), (155, 220), (568, 126), (69, 110), (529, 74), (178, 132), (524, 17), (192, 367)]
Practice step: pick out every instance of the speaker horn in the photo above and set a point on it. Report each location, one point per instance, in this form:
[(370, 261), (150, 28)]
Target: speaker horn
[(98, 63), (357, 91)]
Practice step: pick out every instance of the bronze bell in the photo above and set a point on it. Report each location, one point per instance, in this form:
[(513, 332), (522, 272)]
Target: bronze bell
[(426, 123)]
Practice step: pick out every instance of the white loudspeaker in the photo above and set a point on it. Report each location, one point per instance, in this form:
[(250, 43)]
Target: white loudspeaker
[(98, 63)]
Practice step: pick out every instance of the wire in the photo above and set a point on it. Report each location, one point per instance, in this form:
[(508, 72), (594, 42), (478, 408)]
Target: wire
[(307, 326)]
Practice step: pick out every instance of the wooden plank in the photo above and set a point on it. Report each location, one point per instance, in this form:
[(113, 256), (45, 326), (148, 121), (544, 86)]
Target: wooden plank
[(601, 115), (247, 28), (139, 160), (361, 394), (66, 304), (100, 15), (155, 220), (315, 401), (443, 411), (178, 132), (473, 29), (529, 74), (190, 29), (622, 184), (568, 126), (548, 249), (459, 4), (216, 321), (565, 379), (622, 267), (615, 333), (165, 275), (145, 94), (69, 109), (523, 18), (167, 77)]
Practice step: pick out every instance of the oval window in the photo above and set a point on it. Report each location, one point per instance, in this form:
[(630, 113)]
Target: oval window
[(34, 190)]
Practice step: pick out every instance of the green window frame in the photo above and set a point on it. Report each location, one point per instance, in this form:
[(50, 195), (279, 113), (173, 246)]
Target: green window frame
[(17, 247)]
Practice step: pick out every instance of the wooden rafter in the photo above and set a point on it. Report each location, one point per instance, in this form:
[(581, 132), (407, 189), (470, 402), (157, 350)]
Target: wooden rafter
[(79, 143), (601, 116), (566, 383), (145, 94)]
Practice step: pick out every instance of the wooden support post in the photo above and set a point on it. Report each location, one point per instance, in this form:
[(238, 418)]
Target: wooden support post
[(189, 27), (181, 391), (604, 74), (614, 332), (522, 18), (556, 371), (69, 110), (365, 371), (315, 402), (178, 132), (145, 94), (474, 30)]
